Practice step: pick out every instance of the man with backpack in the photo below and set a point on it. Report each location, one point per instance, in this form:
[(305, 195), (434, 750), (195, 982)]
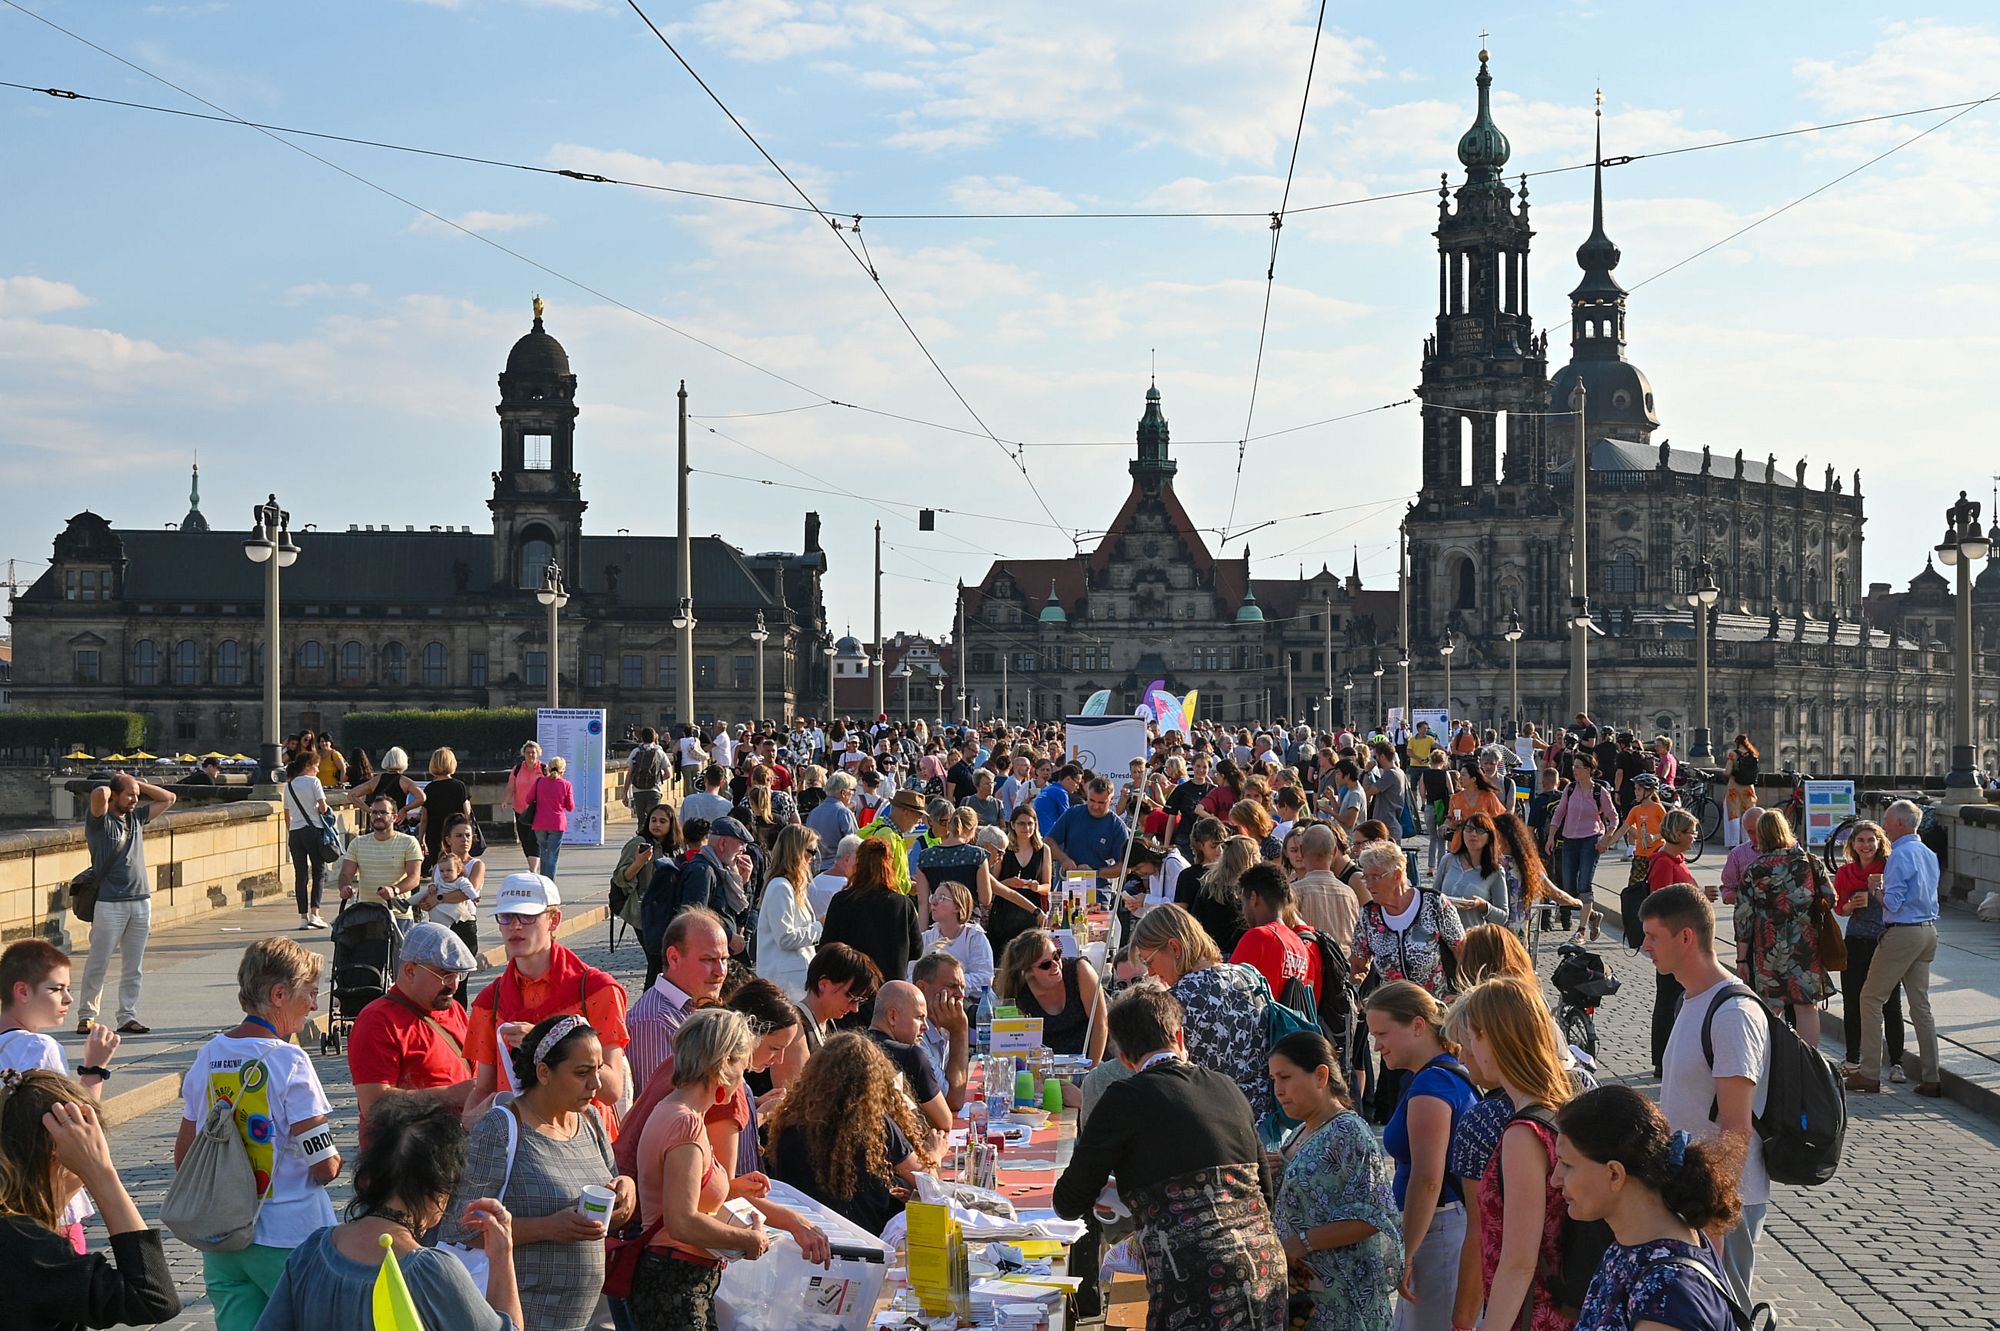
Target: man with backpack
[(646, 773), (1723, 1092)]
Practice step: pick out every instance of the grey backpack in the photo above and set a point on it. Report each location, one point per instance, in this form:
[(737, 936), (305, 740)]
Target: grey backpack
[(213, 1203)]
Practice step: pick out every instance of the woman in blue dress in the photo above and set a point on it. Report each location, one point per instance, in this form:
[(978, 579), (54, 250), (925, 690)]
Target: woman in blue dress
[(1617, 1161), (1336, 1212)]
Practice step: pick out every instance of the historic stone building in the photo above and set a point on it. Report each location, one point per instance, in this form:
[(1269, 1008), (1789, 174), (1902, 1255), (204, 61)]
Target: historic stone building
[(1797, 663), (1152, 602), (170, 621)]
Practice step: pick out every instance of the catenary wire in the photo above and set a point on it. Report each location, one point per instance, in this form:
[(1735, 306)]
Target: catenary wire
[(861, 259), (1271, 268)]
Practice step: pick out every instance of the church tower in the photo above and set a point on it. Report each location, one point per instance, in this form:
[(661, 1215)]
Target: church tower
[(537, 496), (1155, 466), (1485, 369), (1618, 402)]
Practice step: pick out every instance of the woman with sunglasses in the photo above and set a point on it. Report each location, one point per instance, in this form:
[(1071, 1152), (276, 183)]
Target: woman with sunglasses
[(1063, 991)]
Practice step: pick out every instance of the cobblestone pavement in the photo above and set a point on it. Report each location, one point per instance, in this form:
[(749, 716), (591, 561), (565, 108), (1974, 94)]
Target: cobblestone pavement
[(1891, 1243)]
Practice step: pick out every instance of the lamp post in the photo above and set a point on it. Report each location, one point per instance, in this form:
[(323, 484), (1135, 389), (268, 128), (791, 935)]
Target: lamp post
[(1963, 545), (270, 544), (684, 622), (1346, 699), (1445, 649), (1513, 637), (553, 595), (1703, 595), (760, 635), (828, 649), (1378, 692), (938, 684), (1579, 577), (902, 672)]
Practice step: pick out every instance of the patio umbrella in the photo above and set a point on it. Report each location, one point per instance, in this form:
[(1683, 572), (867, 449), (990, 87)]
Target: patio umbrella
[(213, 754), (142, 757), (79, 756), (116, 758)]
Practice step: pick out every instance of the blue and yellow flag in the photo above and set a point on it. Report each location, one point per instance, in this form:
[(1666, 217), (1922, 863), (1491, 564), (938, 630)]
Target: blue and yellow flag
[(395, 1310)]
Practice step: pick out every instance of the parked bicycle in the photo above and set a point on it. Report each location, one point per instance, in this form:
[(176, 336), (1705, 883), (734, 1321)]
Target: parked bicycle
[(1582, 980), (1698, 799), (1834, 850)]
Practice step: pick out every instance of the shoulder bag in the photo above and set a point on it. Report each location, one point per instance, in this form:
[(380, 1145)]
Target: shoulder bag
[(1832, 943), (474, 1259), (330, 849), (214, 1203)]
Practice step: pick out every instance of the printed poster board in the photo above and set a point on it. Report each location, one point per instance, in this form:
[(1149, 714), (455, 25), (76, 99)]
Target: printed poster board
[(1440, 719), (1107, 745), (576, 734), (1017, 1035), (1827, 803)]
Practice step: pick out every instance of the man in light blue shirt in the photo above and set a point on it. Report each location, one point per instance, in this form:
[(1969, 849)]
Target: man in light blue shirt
[(1909, 887)]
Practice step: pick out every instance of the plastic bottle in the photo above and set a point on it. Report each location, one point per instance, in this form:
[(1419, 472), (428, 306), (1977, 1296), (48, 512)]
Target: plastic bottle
[(976, 1121), (984, 1038)]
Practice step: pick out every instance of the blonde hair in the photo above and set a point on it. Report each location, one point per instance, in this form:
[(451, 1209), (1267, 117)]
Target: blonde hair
[(557, 765), (270, 962), (709, 1039), (1521, 1047), (791, 861), (1406, 1004), (1169, 923), (1238, 856), (964, 823), (1774, 832), (1881, 840), (959, 896), (443, 763), (395, 760)]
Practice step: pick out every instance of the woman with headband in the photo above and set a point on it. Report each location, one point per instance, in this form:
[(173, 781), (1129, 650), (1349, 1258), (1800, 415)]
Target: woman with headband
[(536, 1155)]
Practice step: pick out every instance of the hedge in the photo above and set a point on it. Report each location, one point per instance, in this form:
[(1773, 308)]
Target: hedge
[(472, 732), (106, 732)]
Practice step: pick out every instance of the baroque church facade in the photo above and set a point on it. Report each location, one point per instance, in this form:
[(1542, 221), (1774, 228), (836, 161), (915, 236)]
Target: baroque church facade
[(170, 621)]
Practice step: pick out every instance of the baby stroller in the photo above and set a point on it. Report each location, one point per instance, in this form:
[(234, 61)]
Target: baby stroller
[(367, 945)]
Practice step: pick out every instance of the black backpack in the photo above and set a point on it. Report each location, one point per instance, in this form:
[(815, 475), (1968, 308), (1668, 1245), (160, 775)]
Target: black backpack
[(1334, 1005), (649, 767), (1804, 1123), (660, 904), (1583, 1242)]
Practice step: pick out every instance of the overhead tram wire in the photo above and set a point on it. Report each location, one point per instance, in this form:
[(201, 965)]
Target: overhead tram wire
[(865, 263), (1126, 215), (1271, 269)]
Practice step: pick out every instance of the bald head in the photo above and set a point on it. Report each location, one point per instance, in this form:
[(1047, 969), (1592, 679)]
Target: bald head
[(900, 1010), (1316, 847)]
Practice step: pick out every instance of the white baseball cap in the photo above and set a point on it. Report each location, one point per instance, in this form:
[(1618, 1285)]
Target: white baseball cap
[(526, 894)]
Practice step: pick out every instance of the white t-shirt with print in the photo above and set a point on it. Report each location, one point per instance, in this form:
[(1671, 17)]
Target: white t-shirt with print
[(29, 1051), (266, 1109), (1742, 1039)]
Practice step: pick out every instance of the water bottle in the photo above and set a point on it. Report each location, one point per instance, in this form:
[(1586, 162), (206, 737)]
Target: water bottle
[(976, 1121), (984, 1043)]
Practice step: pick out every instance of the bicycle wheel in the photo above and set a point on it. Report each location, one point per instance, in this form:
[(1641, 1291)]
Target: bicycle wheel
[(1710, 814), (1578, 1028), (1836, 843)]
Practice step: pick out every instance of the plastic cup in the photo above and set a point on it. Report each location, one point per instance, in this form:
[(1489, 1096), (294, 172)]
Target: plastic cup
[(1052, 1097), (595, 1203)]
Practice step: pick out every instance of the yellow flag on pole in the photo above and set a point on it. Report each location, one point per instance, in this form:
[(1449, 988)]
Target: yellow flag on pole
[(395, 1310)]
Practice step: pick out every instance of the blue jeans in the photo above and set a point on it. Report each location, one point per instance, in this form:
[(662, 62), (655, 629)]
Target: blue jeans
[(551, 848), (1579, 868)]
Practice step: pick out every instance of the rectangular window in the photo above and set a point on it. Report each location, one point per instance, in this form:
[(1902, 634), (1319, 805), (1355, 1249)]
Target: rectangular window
[(1090, 658), (704, 672), (593, 671), (632, 671), (84, 584), (535, 669), (1336, 622), (1075, 658), (746, 671), (186, 723), (535, 452), (667, 671), (476, 667), (87, 669)]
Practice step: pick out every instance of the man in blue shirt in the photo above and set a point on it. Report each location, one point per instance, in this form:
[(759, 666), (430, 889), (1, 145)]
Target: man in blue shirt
[(1054, 800), (1090, 837), (1908, 885)]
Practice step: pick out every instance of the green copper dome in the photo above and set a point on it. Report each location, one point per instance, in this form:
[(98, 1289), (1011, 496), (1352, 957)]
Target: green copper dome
[(1250, 612), (1052, 611), (1483, 149)]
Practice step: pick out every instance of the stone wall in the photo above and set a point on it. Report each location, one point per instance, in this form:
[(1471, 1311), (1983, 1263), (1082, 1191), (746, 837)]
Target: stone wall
[(1974, 867)]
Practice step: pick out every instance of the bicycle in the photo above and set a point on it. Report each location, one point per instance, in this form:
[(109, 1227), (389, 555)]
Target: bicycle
[(1833, 849), (1582, 980), (1794, 807), (1700, 801)]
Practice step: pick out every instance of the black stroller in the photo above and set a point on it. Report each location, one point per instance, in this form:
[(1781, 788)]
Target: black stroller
[(367, 947)]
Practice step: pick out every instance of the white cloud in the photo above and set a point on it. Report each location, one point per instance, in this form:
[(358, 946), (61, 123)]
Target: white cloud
[(1005, 194), (477, 220), (1913, 64), (28, 295)]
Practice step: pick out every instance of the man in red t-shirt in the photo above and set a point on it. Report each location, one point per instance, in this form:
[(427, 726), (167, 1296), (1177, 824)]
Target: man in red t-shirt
[(1272, 944), (413, 1037)]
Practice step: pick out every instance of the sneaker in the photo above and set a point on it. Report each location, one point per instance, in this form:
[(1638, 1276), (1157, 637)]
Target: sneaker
[(313, 921), (1596, 926), (83, 1027), (1896, 1073), (305, 923)]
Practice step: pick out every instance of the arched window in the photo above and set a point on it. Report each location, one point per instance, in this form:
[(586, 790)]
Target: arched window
[(1812, 587), (229, 662), (434, 665), (395, 663), (1622, 574), (146, 662), (1784, 586), (1465, 586), (312, 663), (1464, 442), (187, 662), (353, 663), (1840, 591), (538, 548)]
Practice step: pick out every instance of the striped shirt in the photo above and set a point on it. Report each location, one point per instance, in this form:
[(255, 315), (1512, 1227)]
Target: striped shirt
[(653, 1022)]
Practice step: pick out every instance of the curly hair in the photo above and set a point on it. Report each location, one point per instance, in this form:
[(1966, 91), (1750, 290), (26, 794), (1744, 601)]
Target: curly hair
[(839, 1104)]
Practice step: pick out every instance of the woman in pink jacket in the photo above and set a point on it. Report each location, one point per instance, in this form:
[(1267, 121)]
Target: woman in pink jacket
[(553, 801), (521, 793)]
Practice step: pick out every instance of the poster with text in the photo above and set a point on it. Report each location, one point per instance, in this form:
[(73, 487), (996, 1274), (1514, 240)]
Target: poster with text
[(576, 735), (1440, 719), (1827, 804), (1107, 744)]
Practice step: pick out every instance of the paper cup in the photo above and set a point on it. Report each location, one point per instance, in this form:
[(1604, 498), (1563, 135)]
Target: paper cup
[(595, 1203)]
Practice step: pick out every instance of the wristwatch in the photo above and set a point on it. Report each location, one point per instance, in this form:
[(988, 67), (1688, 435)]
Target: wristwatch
[(102, 1074)]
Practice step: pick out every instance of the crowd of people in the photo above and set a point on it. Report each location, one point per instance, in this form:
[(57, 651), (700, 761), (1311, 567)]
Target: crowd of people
[(1329, 1090)]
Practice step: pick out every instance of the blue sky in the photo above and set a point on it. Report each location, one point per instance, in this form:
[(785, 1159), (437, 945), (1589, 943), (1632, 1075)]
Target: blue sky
[(169, 285)]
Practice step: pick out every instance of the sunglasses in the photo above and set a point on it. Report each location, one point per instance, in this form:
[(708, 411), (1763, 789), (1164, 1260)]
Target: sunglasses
[(1049, 964)]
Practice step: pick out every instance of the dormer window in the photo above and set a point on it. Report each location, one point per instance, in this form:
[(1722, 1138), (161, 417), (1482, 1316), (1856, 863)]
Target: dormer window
[(87, 584)]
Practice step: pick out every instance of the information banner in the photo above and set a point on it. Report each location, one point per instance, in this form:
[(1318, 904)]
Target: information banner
[(1827, 803), (576, 735), (1440, 719), (1107, 745)]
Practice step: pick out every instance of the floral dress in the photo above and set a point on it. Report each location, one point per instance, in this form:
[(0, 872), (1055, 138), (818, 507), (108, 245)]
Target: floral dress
[(1651, 1282), (1415, 952), (1340, 1173), (1546, 1300), (1222, 1016), (1776, 936)]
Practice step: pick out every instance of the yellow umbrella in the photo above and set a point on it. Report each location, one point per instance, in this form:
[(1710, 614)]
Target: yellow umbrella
[(79, 756), (185, 758), (213, 754), (143, 757), (241, 758), (116, 758)]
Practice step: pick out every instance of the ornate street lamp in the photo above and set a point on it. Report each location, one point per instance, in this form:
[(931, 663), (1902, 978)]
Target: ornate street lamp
[(1513, 637), (828, 649), (270, 544), (938, 684), (1445, 649), (1963, 545), (1347, 698), (760, 635), (1378, 692), (553, 595), (1702, 597), (684, 621)]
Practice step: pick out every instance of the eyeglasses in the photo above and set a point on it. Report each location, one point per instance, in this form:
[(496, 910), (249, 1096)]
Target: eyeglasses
[(1049, 964), (514, 921)]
